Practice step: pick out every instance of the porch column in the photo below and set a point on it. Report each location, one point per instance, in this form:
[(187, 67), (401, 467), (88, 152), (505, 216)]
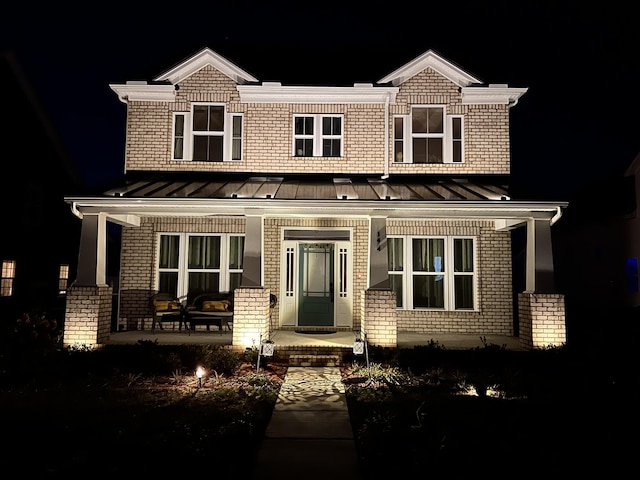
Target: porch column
[(252, 261), (378, 262), (541, 311), (540, 277), (92, 257), (87, 319)]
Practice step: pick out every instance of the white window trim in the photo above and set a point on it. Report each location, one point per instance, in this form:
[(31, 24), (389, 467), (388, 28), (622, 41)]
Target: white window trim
[(317, 135), (447, 136), (449, 274), (405, 135), (227, 134), (183, 269), (448, 139)]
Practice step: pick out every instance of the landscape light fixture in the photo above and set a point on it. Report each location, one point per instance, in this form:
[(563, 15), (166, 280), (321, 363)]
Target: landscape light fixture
[(199, 374)]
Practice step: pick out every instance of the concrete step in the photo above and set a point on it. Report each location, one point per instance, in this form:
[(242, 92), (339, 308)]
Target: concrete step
[(310, 360)]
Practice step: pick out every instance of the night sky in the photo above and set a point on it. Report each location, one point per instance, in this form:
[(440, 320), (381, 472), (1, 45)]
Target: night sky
[(577, 123)]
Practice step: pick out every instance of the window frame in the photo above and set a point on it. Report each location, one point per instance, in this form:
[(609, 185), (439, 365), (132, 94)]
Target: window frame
[(228, 134), (400, 140), (448, 139), (317, 136), (407, 273), (183, 270)]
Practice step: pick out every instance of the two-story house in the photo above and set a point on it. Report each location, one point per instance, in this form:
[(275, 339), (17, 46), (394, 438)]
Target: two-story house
[(378, 207)]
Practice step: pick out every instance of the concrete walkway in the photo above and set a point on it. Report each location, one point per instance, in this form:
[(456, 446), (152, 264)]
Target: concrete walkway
[(309, 436)]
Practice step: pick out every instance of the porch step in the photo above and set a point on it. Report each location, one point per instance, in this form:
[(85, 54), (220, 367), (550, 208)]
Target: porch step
[(310, 360)]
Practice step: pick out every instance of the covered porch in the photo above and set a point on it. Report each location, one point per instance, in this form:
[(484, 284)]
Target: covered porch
[(284, 339)]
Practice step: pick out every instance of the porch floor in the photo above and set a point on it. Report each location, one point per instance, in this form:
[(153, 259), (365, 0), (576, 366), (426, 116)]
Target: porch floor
[(451, 341)]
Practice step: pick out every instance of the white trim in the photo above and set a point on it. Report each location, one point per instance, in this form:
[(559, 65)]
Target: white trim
[(274, 92), (142, 92), (491, 95), (406, 209)]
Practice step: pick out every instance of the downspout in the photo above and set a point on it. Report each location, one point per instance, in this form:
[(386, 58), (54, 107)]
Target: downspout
[(75, 211), (386, 139), (557, 216)]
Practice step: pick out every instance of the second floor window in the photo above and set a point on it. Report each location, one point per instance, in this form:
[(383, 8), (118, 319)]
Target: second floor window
[(190, 264), (428, 135), (207, 134), (317, 136)]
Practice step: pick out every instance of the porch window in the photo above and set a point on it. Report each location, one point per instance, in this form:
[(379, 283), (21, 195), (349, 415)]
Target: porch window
[(432, 272), (317, 136), (189, 264), (207, 133), (8, 278)]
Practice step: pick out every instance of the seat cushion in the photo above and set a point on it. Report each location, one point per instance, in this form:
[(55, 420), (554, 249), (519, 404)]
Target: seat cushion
[(163, 305), (215, 306)]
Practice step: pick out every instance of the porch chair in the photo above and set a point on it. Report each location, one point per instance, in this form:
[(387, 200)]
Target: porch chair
[(211, 308), (167, 308)]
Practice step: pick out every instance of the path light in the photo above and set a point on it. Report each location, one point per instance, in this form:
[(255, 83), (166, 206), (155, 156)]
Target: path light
[(268, 347), (200, 373)]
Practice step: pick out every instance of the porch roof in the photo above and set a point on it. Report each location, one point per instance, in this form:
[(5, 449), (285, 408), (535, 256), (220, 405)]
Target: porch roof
[(310, 187), (140, 194)]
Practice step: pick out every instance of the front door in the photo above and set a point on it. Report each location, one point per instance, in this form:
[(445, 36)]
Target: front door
[(315, 284)]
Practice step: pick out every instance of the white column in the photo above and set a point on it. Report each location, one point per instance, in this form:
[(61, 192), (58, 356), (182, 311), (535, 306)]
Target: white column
[(378, 262), (92, 256), (252, 262), (539, 275)]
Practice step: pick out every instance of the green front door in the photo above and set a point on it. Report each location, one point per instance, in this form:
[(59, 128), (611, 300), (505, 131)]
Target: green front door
[(316, 299)]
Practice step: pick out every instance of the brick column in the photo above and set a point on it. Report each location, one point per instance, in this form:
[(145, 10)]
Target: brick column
[(379, 319), (250, 317), (87, 318), (541, 320)]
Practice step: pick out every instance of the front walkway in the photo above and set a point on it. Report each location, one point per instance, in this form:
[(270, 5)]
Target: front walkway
[(450, 341)]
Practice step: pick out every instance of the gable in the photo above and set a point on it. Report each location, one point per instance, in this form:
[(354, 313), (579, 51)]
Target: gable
[(432, 60), (201, 59)]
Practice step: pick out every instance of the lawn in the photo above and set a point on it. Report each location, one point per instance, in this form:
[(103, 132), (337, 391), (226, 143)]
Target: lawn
[(140, 409)]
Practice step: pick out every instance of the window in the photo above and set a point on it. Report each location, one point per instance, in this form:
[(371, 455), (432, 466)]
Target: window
[(317, 136), (8, 278), (432, 272), (207, 134), (192, 264), (399, 134), (428, 135), (63, 278)]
